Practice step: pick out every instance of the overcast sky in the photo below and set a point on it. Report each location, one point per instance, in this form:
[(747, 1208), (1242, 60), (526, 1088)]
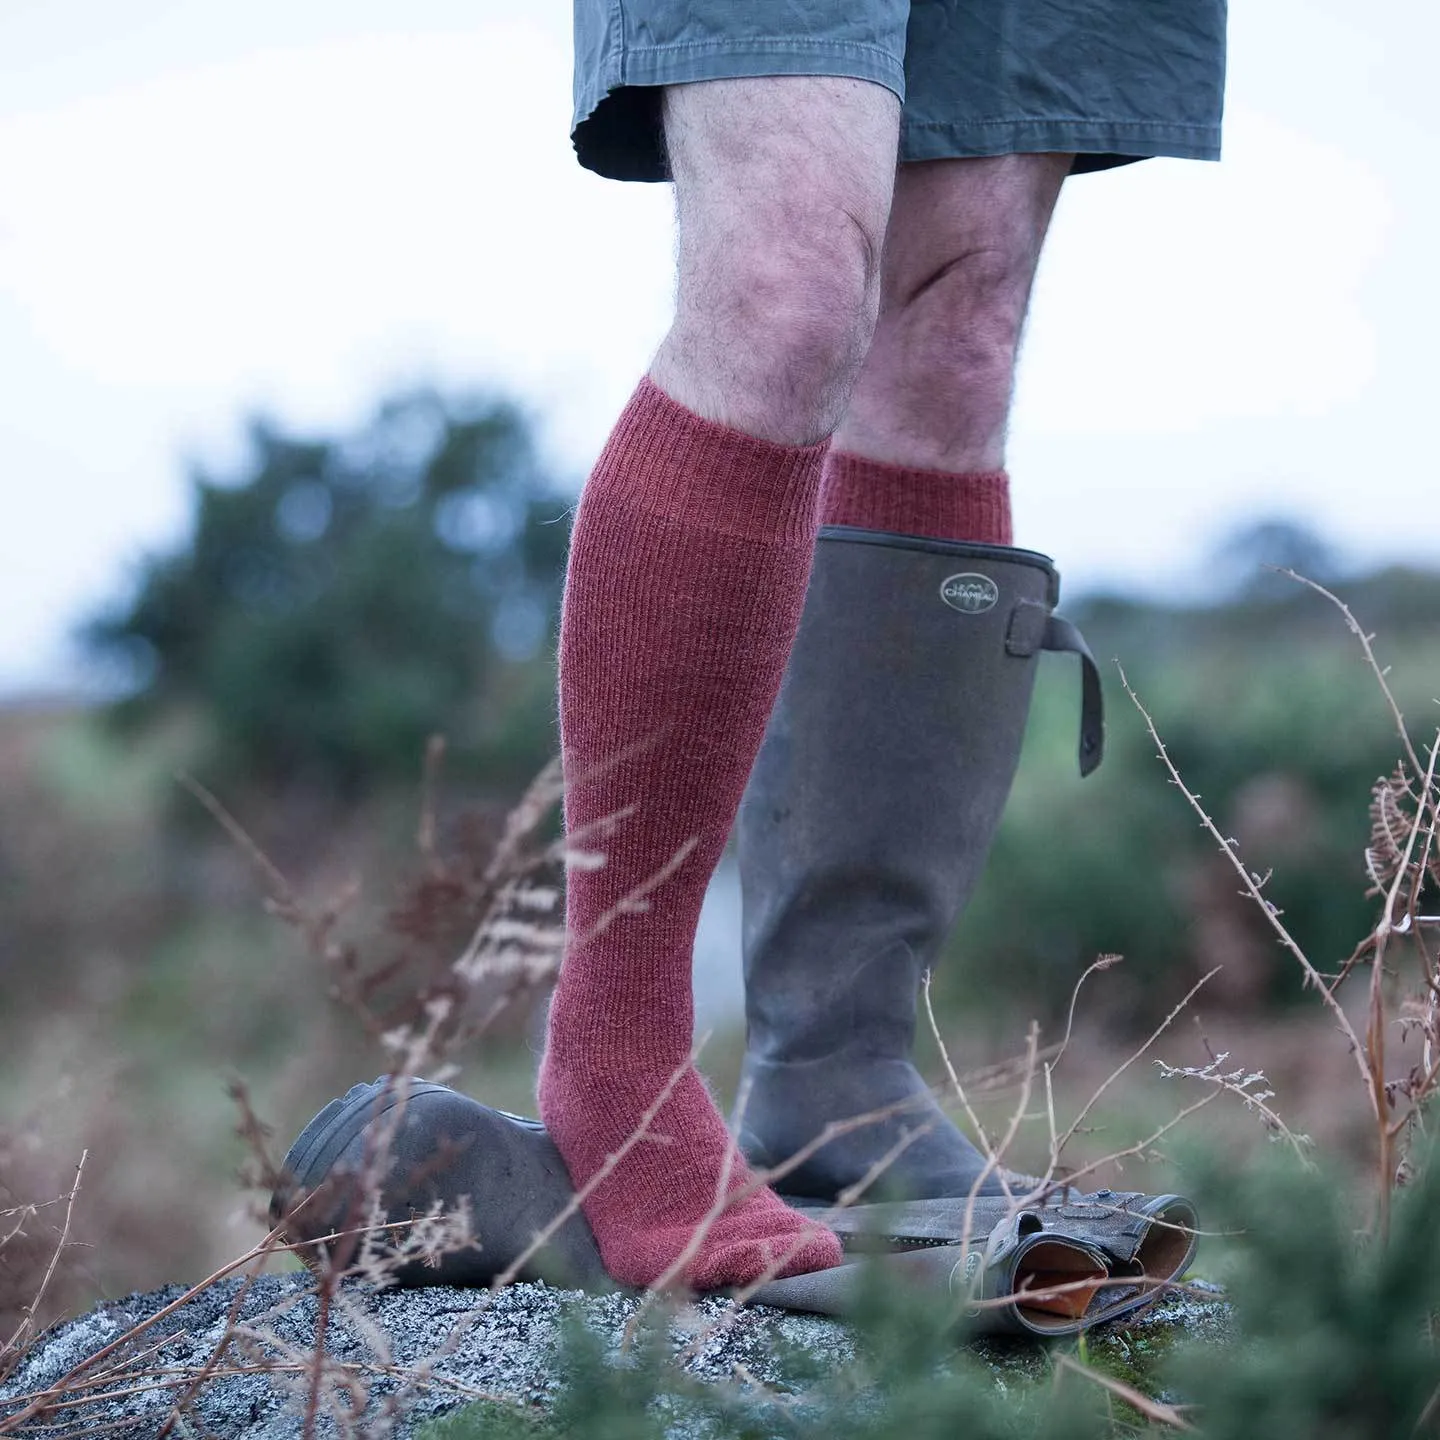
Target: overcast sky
[(296, 205)]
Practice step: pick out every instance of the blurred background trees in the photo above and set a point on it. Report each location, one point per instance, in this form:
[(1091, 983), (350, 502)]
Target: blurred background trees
[(1267, 708), (341, 599)]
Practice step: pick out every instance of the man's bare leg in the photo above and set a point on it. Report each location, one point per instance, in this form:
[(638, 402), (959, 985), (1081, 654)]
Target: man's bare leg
[(687, 574), (782, 188), (960, 255)]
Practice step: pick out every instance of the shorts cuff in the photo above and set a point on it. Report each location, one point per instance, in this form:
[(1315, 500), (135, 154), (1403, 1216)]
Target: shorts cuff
[(616, 129), (1095, 143)]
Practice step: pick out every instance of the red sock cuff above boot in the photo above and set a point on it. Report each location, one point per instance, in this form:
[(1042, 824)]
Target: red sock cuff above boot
[(668, 461), (873, 495)]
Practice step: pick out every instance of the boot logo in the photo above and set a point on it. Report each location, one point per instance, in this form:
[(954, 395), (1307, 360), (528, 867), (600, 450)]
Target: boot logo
[(970, 594)]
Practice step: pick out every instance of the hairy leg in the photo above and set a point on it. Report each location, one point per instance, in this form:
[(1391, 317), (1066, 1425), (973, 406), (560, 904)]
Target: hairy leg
[(687, 573), (782, 189), (963, 242)]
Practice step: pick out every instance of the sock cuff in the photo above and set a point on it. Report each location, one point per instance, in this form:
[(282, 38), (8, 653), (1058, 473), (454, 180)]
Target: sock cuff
[(874, 495), (668, 461)]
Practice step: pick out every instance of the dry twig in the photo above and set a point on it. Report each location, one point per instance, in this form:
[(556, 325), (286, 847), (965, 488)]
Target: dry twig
[(1151, 1409)]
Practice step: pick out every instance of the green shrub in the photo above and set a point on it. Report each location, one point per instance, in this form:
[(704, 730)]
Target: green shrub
[(342, 599), (1269, 713), (1336, 1337)]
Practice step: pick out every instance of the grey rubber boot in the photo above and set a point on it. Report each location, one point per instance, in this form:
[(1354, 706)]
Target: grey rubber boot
[(867, 820), (415, 1145)]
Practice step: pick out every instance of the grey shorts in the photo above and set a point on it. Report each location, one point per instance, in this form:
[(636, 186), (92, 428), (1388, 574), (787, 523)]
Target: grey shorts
[(1105, 80)]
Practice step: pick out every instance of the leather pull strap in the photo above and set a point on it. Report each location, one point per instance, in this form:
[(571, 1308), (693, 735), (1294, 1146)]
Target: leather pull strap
[(1060, 634), (1025, 634)]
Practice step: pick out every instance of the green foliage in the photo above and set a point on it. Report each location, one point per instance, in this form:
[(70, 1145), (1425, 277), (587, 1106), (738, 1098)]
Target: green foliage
[(1337, 1337), (343, 599), (1267, 708), (489, 1420), (917, 1382)]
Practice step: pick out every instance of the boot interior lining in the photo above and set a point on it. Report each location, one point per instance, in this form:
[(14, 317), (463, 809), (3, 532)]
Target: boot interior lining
[(1050, 1264), (1167, 1242)]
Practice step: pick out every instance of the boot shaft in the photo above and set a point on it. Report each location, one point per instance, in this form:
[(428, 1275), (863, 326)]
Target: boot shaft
[(881, 781)]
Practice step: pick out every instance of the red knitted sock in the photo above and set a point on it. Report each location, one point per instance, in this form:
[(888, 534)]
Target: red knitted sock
[(688, 567), (872, 495)]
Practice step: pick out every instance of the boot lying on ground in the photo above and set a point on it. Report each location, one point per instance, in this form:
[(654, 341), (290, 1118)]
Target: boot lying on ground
[(415, 1147), (1053, 1268)]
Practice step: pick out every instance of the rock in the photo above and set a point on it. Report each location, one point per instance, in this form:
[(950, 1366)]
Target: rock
[(400, 1357)]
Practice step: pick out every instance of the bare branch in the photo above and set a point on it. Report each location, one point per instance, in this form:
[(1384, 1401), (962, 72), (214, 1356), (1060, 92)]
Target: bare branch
[(1120, 1069), (1252, 888), (1356, 629), (1151, 1409), (16, 1343)]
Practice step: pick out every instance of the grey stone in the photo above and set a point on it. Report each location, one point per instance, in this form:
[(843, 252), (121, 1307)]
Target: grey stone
[(409, 1355)]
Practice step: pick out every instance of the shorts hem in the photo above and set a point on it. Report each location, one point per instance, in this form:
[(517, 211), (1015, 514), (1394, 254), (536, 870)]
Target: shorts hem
[(1110, 142), (685, 62), (652, 68)]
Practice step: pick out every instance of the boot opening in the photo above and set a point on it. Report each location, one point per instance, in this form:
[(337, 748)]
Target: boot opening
[(1168, 1242), (1056, 1279)]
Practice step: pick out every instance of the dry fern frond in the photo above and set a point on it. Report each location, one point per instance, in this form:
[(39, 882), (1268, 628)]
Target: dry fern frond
[(1394, 813)]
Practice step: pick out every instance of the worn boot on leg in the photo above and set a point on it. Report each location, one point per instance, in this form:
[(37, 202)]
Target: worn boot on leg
[(867, 820)]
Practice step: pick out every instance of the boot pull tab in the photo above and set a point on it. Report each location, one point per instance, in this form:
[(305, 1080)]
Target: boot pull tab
[(1060, 634), (1032, 627)]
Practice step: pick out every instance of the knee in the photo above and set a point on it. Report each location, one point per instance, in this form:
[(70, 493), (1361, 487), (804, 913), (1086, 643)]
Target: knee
[(939, 378), (777, 322), (803, 304), (783, 187), (960, 321)]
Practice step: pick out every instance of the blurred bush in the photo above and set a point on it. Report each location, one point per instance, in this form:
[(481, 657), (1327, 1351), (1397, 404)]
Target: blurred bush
[(1269, 711), (342, 599)]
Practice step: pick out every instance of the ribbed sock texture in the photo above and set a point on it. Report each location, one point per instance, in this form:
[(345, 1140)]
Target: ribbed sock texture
[(873, 495), (688, 567)]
